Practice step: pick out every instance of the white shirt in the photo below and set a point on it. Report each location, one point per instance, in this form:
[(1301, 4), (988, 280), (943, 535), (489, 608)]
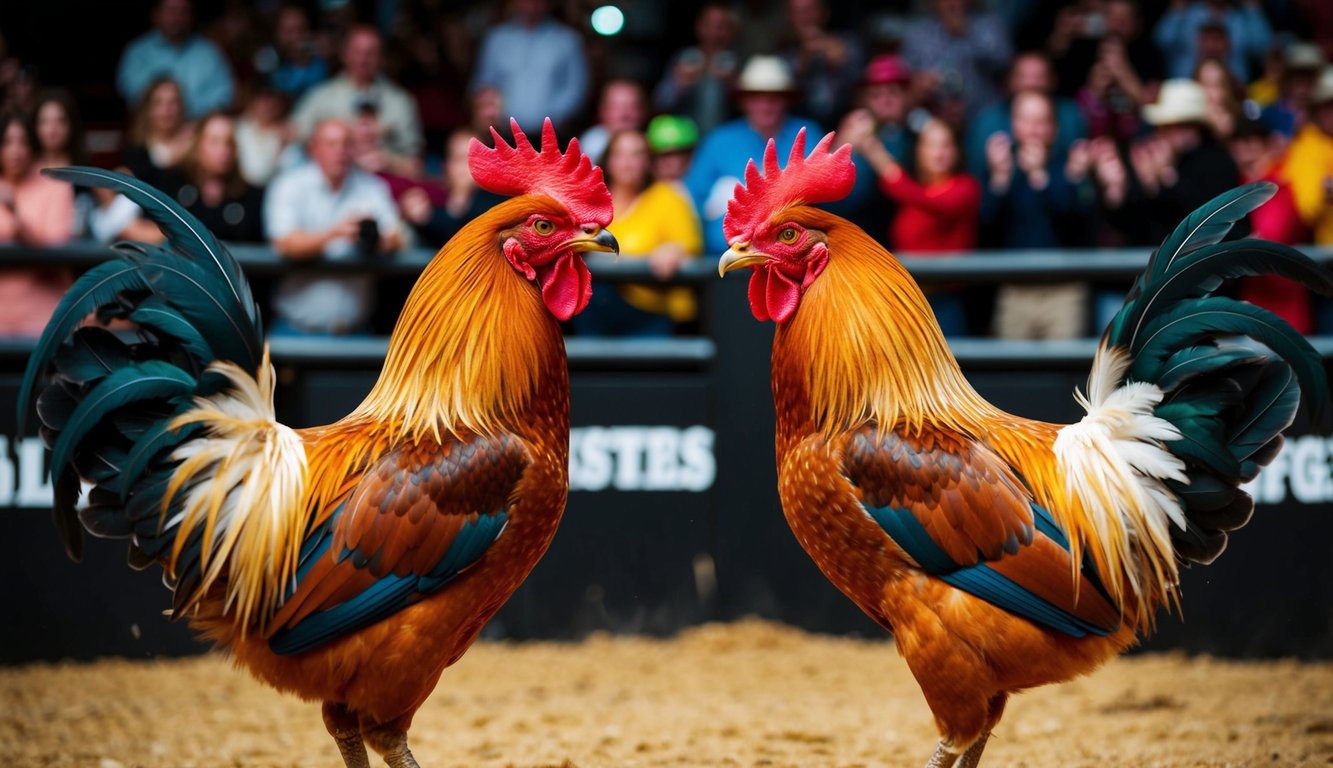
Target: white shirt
[(302, 200)]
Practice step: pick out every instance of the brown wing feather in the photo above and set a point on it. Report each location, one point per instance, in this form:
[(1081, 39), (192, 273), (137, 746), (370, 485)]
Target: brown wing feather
[(975, 508), (404, 514), (963, 494)]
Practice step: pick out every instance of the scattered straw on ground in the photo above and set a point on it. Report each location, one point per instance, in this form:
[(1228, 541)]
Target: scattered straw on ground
[(746, 694)]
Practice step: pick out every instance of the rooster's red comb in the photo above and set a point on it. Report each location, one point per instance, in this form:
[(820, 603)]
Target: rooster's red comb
[(820, 178), (570, 178)]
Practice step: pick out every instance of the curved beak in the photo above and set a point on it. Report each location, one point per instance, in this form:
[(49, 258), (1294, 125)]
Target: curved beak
[(603, 240), (737, 256)]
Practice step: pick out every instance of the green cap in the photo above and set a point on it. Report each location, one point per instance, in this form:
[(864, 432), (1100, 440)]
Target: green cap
[(672, 133)]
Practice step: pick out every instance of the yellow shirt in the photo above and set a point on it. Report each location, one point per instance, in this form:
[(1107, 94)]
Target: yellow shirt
[(1309, 163), (1263, 91), (662, 214)]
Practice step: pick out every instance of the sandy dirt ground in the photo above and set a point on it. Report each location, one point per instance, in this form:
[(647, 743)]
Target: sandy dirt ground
[(745, 694)]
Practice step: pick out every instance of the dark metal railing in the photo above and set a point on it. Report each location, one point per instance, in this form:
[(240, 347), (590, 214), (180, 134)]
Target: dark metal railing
[(260, 261)]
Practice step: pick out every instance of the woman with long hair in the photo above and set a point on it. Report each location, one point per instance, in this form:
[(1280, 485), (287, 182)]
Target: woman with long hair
[(59, 130), (34, 211), (1222, 93), (653, 222), (208, 182), (938, 210), (159, 133)]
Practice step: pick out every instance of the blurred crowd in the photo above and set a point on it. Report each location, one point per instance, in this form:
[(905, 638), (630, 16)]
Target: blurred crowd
[(340, 130)]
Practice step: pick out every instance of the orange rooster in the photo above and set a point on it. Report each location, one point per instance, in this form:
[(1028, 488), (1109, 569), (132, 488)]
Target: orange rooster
[(1004, 553), (349, 563)]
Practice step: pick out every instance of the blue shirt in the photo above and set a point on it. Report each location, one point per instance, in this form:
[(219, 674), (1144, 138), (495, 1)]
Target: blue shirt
[(1023, 217), (719, 164), (542, 71), (196, 65), (973, 64), (1177, 36)]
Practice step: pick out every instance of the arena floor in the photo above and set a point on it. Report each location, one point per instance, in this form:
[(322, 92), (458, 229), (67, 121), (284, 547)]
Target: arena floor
[(745, 694)]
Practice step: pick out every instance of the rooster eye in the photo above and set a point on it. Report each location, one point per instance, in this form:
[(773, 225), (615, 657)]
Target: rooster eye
[(543, 227), (788, 235)]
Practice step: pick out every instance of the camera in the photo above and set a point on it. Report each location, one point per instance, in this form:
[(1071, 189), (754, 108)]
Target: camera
[(368, 238)]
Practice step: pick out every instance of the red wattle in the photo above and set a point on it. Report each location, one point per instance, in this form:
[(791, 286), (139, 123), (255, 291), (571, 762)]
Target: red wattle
[(773, 295), (566, 285), (757, 290)]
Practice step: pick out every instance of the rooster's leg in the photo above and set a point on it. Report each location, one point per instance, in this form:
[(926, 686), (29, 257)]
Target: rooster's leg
[(391, 743), (943, 757), (345, 729), (972, 756)]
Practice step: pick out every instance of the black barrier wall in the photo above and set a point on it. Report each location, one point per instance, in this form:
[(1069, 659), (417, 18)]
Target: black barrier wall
[(673, 516)]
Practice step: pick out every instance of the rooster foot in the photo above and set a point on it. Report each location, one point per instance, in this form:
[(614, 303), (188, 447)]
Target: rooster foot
[(392, 746), (345, 729), (946, 758)]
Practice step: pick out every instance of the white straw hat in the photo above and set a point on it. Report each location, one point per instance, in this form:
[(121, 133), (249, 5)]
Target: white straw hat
[(765, 74), (1180, 100), (1323, 88)]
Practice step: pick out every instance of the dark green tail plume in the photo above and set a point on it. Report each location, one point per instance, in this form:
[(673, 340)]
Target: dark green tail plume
[(105, 400), (1229, 400)]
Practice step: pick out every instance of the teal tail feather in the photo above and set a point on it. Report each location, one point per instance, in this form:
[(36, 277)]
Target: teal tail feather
[(1230, 400), (105, 399)]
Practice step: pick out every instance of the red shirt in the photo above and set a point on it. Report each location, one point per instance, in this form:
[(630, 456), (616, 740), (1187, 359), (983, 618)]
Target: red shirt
[(942, 216), (1280, 221)]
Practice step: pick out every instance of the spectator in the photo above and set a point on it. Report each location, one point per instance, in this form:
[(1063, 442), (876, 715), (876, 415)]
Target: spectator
[(432, 50), (1110, 38), (672, 139), (173, 50), (299, 65), (159, 133), (765, 90), (262, 135), (59, 131), (937, 211), (1221, 91), (35, 211), (699, 79), (328, 209), (1257, 150), (368, 151), (886, 97), (361, 87), (825, 63), (621, 108), (463, 200), (959, 53), (1301, 64), (1179, 167), (1033, 198), (538, 64), (209, 184), (1112, 96), (1263, 90), (1031, 71), (886, 102), (1309, 164), (1183, 34), (60, 143), (487, 110), (654, 221)]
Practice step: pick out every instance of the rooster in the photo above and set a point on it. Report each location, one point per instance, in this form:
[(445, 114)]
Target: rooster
[(348, 563), (1005, 553)]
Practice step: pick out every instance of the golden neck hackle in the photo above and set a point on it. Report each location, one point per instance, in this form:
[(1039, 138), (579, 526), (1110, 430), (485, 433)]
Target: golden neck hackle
[(868, 343), (471, 342)]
